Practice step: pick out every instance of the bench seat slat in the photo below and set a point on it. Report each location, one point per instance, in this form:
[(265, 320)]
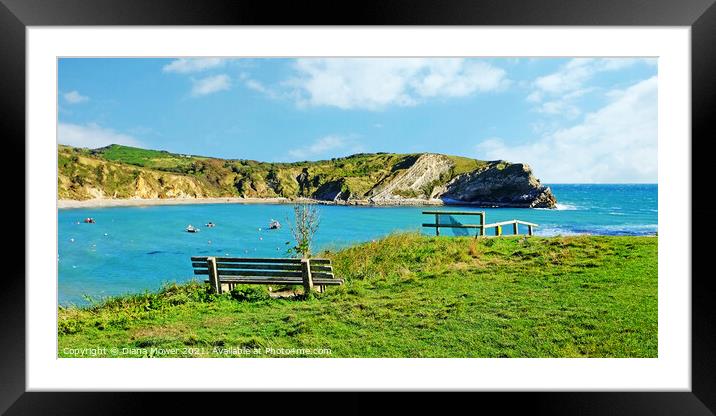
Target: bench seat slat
[(258, 260), (315, 276), (223, 273), (314, 269), (321, 268), (295, 267), (248, 273), (327, 282), (278, 281), (248, 260)]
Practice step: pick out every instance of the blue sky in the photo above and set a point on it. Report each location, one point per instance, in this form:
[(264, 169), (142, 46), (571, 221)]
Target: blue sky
[(573, 120)]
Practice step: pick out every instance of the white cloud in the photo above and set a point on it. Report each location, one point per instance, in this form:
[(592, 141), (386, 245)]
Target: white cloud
[(92, 136), (617, 143), (192, 65), (74, 97), (327, 146), (559, 107), (556, 93), (572, 75), (256, 86), (568, 78), (534, 97), (457, 78), (373, 84), (202, 86), (564, 105), (210, 85)]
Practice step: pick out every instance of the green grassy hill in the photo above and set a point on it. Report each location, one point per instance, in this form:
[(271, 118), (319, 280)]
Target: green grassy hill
[(127, 172), (113, 171), (408, 295)]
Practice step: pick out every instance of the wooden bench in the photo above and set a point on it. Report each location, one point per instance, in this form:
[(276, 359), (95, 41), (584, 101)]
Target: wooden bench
[(226, 272)]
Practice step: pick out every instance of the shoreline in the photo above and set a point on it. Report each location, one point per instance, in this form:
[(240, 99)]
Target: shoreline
[(136, 202)]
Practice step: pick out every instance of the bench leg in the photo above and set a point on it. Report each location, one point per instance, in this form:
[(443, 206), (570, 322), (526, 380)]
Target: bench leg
[(213, 275), (306, 274)]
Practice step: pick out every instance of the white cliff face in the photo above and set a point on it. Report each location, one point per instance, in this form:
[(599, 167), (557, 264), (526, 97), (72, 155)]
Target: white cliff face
[(498, 184), (511, 185), (417, 181)]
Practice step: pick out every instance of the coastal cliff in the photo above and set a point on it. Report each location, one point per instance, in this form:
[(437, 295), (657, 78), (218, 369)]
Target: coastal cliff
[(120, 172)]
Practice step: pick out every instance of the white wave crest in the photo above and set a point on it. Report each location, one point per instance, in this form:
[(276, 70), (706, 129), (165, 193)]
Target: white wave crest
[(566, 207)]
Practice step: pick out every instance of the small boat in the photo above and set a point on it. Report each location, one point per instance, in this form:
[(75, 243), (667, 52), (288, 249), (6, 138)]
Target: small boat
[(191, 229), (274, 225), (89, 220), (210, 224)]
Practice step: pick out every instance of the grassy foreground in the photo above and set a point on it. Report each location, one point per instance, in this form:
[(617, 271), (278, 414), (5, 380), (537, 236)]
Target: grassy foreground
[(407, 295)]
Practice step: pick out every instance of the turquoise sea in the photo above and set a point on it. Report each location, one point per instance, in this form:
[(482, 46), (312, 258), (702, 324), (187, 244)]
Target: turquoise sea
[(132, 249)]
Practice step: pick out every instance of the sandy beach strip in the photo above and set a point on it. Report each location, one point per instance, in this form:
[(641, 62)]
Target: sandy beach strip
[(137, 202)]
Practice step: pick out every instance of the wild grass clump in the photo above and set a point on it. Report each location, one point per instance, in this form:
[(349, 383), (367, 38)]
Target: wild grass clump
[(403, 254), (120, 311), (171, 294)]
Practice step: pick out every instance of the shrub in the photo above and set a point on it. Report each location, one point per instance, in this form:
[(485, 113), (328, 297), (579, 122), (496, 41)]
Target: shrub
[(303, 229), (68, 326)]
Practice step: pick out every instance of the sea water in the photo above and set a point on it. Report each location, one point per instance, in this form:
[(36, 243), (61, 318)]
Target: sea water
[(133, 249)]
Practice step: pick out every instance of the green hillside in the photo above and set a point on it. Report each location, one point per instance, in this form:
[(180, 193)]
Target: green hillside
[(122, 172)]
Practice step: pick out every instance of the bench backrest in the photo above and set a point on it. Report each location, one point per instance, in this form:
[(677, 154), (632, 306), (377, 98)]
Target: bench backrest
[(250, 267), (261, 270)]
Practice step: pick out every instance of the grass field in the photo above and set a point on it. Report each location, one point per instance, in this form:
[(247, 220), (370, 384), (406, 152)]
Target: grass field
[(407, 295)]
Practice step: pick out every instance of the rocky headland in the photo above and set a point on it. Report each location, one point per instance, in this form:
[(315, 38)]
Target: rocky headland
[(117, 173)]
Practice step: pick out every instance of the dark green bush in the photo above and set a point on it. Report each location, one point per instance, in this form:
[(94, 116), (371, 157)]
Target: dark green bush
[(68, 326)]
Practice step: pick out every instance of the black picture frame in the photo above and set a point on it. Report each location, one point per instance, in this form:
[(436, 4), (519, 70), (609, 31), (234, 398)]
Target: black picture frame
[(16, 15)]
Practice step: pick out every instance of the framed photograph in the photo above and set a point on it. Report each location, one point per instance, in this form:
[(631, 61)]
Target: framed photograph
[(441, 197)]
